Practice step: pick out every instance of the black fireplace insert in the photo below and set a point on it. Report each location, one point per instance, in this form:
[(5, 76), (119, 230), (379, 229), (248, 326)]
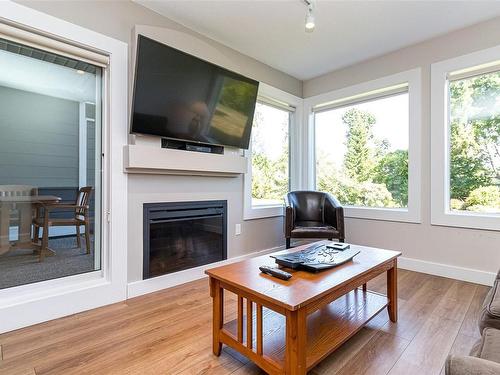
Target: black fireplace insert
[(183, 235)]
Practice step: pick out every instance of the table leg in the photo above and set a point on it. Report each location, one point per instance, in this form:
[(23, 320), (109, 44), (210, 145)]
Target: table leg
[(25, 212), (4, 228), (218, 314), (296, 342), (392, 291)]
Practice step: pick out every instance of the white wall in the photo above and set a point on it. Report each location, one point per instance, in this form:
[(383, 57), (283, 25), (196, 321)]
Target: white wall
[(475, 249)]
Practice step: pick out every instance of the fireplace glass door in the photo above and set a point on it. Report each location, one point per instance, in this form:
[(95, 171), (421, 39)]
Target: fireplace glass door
[(183, 236)]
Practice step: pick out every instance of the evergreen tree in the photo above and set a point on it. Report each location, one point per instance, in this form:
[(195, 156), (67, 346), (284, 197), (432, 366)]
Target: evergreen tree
[(358, 162)]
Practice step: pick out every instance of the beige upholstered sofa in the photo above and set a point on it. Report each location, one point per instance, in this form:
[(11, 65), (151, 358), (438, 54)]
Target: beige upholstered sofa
[(484, 359)]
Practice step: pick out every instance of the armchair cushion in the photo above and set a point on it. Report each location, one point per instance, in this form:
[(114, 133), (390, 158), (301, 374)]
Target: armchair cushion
[(313, 229), (490, 312)]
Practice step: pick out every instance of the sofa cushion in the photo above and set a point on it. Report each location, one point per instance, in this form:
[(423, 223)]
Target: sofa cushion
[(490, 312), (488, 346), (464, 365)]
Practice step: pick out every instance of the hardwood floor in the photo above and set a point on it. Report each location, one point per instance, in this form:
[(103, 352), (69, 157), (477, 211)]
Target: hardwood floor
[(169, 332)]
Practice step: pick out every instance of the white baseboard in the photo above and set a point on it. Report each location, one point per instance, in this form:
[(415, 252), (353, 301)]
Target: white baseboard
[(141, 287), (445, 270)]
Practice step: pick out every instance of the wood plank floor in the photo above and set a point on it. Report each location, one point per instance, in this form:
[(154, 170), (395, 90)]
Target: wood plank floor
[(169, 332)]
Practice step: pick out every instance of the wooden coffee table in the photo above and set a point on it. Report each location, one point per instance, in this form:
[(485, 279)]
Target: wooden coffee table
[(297, 323)]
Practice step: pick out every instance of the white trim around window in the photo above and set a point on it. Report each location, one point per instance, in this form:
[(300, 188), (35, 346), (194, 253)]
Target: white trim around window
[(33, 303), (282, 99), (462, 66), (359, 93)]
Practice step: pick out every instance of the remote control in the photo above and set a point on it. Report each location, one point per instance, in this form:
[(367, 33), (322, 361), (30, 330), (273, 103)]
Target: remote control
[(275, 272)]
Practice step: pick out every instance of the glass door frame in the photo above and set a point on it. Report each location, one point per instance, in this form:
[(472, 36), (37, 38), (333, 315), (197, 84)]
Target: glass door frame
[(33, 303)]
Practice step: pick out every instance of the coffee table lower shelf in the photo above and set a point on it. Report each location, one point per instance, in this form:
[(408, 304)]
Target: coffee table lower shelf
[(327, 328)]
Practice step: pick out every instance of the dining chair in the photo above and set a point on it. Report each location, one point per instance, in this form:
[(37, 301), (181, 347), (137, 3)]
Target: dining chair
[(80, 218)]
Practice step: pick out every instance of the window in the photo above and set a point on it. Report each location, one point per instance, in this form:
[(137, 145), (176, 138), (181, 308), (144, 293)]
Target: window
[(270, 155), (366, 147), (273, 156), (362, 152), (466, 140), (50, 146)]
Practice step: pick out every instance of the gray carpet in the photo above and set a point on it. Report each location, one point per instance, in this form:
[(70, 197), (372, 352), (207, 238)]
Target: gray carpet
[(21, 266)]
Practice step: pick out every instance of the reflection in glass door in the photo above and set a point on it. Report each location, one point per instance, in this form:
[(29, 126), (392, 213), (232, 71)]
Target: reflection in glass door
[(50, 165)]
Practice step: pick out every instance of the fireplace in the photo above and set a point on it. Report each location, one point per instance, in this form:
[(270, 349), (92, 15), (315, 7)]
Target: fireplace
[(183, 235)]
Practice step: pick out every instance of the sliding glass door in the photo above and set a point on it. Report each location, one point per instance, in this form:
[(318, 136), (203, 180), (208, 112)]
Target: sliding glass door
[(50, 165)]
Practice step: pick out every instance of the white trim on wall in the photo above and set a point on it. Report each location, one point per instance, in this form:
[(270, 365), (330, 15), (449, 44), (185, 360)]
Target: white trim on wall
[(446, 270), (414, 80), (441, 214), (34, 303), (295, 155)]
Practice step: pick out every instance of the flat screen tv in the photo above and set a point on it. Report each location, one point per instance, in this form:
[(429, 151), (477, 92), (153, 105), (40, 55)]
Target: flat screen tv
[(182, 97)]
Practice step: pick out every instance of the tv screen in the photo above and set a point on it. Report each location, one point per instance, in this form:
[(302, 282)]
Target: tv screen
[(179, 96)]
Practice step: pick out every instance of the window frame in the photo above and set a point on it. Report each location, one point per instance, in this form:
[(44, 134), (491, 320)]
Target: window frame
[(441, 214), (412, 78), (251, 211)]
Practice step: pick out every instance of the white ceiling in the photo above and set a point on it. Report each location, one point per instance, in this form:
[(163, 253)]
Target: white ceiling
[(346, 32)]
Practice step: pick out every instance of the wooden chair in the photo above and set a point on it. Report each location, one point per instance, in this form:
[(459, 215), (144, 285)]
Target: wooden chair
[(81, 218)]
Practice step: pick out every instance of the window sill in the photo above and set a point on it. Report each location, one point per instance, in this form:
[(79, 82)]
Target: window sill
[(468, 220), (261, 212), (383, 214)]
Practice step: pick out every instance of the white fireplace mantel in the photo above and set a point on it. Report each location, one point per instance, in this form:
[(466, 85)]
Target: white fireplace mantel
[(146, 159)]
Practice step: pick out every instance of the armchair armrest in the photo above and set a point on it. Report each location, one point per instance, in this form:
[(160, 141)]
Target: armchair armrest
[(334, 215), (289, 220), (467, 365)]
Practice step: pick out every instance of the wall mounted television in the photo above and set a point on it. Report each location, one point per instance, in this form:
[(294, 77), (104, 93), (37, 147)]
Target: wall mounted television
[(179, 96)]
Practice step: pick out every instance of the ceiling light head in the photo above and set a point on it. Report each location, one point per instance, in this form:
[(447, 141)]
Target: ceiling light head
[(81, 72), (310, 22)]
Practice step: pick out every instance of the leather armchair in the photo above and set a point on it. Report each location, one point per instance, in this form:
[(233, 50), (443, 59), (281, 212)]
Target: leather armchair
[(313, 214)]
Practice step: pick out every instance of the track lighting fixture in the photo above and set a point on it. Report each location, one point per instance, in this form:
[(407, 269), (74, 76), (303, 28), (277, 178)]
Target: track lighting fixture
[(310, 23)]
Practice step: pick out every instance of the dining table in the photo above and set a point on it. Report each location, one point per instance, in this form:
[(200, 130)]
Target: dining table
[(25, 205)]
